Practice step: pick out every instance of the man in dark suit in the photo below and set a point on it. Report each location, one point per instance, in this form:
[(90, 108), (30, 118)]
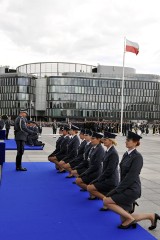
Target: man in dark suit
[(21, 133), (54, 127), (77, 160), (32, 140), (1, 123), (7, 126), (95, 158), (109, 178)]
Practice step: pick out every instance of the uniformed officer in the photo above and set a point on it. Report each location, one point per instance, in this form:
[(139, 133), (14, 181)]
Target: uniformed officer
[(122, 198), (83, 166), (72, 146), (62, 153), (78, 159), (1, 123), (95, 158), (54, 127), (58, 143), (21, 133), (109, 178), (33, 139), (7, 126)]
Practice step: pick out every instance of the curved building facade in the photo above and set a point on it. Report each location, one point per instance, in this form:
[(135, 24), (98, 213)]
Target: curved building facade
[(16, 92), (44, 69)]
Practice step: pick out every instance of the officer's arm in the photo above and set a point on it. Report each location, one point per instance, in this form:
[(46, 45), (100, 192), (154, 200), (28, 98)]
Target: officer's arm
[(23, 127)]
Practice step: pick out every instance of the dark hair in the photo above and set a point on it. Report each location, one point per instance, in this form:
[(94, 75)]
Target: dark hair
[(137, 141)]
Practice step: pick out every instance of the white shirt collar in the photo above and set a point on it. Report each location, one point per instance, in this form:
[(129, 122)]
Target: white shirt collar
[(94, 146), (109, 148), (129, 152)]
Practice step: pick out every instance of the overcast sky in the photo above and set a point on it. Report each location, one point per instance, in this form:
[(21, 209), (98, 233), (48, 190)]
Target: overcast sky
[(84, 31)]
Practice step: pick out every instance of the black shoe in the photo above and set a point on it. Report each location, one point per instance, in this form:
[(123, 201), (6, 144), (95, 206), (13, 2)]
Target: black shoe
[(103, 209), (61, 171), (92, 198), (157, 217), (133, 207), (21, 169), (83, 190), (133, 224), (70, 176)]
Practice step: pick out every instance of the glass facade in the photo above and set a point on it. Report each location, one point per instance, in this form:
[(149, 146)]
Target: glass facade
[(43, 69), (16, 92), (100, 97)]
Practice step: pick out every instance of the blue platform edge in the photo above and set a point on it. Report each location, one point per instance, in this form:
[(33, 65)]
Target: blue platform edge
[(11, 145), (41, 204)]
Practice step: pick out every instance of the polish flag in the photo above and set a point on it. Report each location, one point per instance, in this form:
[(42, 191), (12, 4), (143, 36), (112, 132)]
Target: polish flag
[(132, 47)]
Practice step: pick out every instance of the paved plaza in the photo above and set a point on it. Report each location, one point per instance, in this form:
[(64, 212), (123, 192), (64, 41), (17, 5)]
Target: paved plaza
[(150, 176)]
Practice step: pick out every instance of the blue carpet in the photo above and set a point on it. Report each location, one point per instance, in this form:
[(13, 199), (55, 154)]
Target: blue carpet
[(42, 205), (11, 145)]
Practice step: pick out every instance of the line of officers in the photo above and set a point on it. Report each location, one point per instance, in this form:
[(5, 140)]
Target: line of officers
[(96, 170)]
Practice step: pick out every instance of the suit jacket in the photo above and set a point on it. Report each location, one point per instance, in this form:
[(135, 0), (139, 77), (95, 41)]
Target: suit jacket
[(80, 150), (21, 130), (54, 126), (7, 124), (85, 163), (1, 124), (58, 144), (72, 149), (130, 168), (95, 159), (110, 168), (63, 147)]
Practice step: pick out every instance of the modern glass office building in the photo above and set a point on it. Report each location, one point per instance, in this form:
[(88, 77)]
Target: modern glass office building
[(80, 91), (100, 97), (16, 92)]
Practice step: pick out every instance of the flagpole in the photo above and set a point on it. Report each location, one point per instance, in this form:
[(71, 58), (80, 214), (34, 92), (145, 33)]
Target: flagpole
[(30, 111), (122, 95)]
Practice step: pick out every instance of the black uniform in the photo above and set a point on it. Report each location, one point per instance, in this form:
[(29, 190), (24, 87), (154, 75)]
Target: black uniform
[(83, 166), (58, 146), (72, 149), (79, 157), (129, 188), (7, 126), (54, 127), (63, 148), (109, 178), (1, 124), (21, 133), (95, 159), (32, 139)]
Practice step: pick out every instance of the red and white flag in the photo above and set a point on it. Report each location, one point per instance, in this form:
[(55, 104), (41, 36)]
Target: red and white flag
[(132, 47)]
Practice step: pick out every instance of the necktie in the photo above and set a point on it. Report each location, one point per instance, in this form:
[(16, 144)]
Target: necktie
[(125, 154), (90, 152)]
